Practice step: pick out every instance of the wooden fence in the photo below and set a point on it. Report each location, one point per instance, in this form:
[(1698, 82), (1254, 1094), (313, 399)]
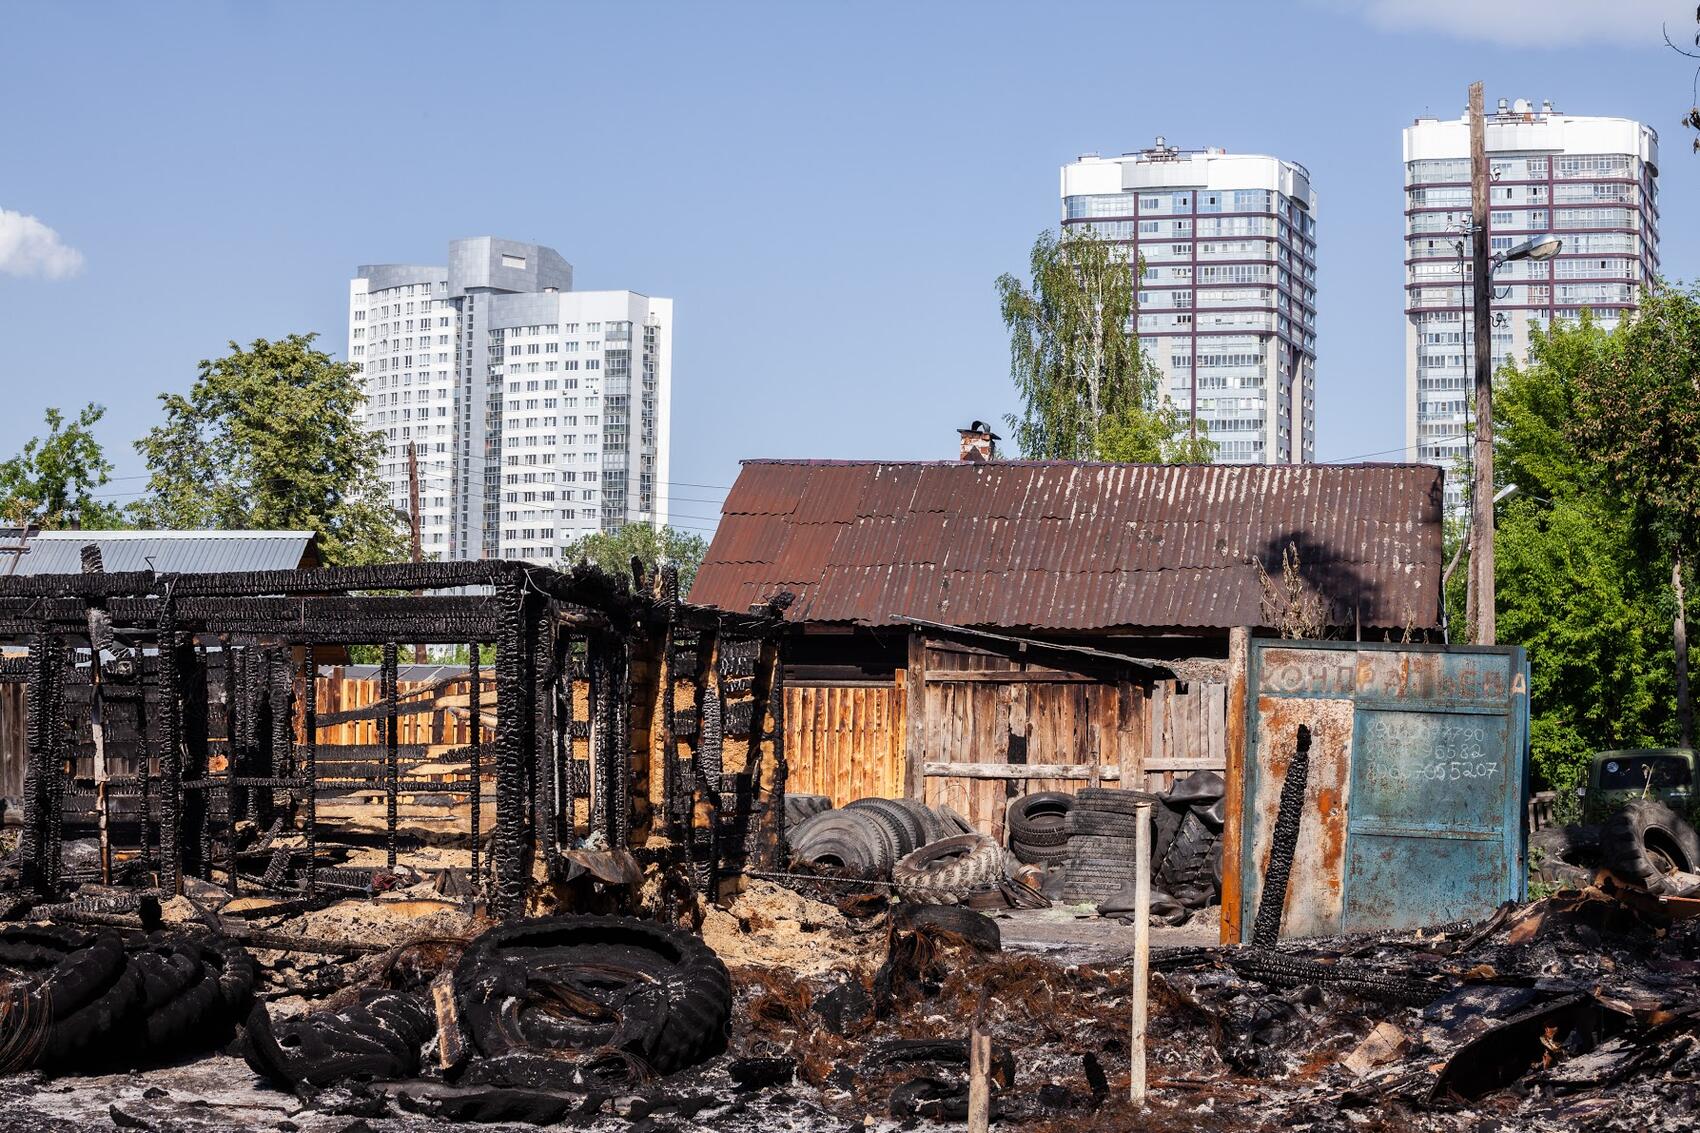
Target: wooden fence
[(844, 741), (986, 729), (428, 712)]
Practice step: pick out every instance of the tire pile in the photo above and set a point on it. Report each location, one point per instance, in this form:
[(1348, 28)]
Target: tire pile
[(1102, 827), (571, 1002), (1087, 840), (1038, 833), (82, 1000), (869, 837)]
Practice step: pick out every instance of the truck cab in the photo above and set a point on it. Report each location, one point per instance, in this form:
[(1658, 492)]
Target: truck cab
[(1615, 777)]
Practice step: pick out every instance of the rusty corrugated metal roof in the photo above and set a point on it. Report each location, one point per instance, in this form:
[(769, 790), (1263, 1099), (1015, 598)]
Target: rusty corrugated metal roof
[(1056, 545)]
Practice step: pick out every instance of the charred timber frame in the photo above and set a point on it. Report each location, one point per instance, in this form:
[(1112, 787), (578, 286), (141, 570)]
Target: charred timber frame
[(267, 631)]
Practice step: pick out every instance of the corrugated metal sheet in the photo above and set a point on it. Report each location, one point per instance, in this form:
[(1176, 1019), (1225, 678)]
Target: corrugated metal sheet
[(166, 552), (1066, 546)]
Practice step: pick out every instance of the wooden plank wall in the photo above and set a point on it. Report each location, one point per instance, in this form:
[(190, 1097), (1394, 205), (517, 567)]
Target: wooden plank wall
[(419, 723), (844, 741), (982, 708)]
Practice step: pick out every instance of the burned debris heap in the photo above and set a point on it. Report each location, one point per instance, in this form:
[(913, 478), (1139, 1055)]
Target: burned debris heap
[(633, 718), (176, 748)]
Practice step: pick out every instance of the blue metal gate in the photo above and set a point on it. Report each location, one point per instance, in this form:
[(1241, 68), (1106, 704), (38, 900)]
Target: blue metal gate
[(1416, 798)]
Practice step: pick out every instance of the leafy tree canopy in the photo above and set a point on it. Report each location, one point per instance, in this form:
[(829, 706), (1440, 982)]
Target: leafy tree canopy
[(1088, 392), (52, 481), (613, 551), (267, 438), (1576, 585)]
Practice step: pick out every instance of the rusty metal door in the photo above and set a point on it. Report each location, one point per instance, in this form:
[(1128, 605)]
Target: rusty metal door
[(1416, 797)]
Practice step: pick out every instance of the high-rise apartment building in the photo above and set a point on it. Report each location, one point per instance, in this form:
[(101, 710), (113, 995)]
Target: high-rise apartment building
[(1592, 182), (539, 412), (1227, 299)]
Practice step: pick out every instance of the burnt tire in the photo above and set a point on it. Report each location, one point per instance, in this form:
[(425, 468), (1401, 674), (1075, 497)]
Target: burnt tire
[(195, 991), (1645, 841), (377, 1039), (974, 928), (946, 871), (84, 1036), (1165, 824), (565, 991), (1186, 870), (934, 823)]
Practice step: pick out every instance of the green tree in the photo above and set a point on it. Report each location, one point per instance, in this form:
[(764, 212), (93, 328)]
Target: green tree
[(1573, 593), (1638, 412), (613, 551), (52, 481), (1572, 581), (1088, 392), (267, 438)]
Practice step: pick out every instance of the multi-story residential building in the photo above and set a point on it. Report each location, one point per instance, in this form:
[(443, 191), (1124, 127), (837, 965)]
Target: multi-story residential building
[(1590, 181), (539, 412), (1227, 298)]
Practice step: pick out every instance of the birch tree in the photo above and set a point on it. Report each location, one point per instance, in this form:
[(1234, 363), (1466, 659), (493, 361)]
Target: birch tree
[(1087, 390)]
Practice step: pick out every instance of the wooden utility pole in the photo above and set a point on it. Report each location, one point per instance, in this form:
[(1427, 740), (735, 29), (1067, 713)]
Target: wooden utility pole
[(1141, 950), (413, 522), (1481, 486)]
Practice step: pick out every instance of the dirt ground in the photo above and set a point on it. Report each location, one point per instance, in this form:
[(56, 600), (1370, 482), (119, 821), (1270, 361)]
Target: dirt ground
[(845, 998)]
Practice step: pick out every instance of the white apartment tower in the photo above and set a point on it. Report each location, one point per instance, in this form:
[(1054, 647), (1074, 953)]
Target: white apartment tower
[(539, 412), (1227, 300), (1592, 182)]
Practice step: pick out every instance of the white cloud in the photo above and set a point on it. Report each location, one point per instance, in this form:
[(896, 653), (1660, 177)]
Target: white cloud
[(1535, 23), (28, 247)]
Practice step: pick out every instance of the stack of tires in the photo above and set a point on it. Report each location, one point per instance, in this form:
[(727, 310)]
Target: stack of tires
[(1092, 837), (1102, 829), (868, 837), (1038, 833)]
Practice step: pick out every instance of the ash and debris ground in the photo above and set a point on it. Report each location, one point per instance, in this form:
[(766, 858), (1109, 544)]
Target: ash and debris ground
[(1226, 1053)]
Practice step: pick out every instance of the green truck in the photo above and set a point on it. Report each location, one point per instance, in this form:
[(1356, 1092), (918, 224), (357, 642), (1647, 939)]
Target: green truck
[(1616, 777)]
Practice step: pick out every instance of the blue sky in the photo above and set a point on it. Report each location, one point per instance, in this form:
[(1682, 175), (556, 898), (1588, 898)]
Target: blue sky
[(827, 190)]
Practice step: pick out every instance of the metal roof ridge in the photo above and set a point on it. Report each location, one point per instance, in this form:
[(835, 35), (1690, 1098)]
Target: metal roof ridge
[(168, 533)]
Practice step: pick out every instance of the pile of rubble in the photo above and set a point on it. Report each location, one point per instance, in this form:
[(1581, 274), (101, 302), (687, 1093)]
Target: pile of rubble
[(1576, 1011)]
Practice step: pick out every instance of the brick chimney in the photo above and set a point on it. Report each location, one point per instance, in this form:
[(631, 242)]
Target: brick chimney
[(979, 443)]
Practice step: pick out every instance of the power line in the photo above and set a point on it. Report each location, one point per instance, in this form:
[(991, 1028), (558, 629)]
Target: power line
[(1401, 448)]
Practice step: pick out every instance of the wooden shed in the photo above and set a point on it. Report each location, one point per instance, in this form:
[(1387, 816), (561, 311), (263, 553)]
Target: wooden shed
[(966, 631)]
